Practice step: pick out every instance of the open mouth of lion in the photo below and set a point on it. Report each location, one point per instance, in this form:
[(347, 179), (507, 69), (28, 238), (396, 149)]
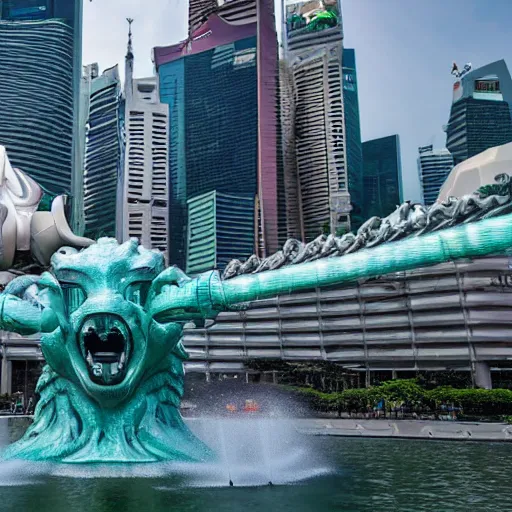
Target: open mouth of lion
[(106, 346)]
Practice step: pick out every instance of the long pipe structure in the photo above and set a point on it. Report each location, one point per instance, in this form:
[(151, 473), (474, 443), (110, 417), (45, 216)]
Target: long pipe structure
[(207, 294)]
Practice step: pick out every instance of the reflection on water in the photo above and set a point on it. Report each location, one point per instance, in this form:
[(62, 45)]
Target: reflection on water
[(365, 475)]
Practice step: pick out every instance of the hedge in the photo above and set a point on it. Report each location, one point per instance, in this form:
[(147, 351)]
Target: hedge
[(398, 393)]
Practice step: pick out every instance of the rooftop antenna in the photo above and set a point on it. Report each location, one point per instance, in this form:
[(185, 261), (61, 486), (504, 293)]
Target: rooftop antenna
[(129, 64), (130, 47)]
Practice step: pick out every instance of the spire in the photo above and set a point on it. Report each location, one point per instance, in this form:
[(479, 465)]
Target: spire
[(129, 53), (128, 73)]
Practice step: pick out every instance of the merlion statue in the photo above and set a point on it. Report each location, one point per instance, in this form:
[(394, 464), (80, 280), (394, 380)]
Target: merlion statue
[(111, 319), (22, 227)]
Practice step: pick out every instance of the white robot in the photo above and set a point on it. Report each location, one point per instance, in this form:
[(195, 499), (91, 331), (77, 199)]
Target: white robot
[(22, 227)]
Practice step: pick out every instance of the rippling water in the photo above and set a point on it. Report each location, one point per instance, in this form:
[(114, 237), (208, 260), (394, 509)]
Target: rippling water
[(323, 474)]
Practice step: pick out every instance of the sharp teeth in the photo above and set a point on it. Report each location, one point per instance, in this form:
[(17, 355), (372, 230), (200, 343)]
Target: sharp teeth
[(89, 359), (122, 360), (97, 370)]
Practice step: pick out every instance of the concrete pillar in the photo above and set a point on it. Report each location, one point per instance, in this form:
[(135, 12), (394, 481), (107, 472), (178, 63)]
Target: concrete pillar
[(393, 374), (483, 376), (6, 376)]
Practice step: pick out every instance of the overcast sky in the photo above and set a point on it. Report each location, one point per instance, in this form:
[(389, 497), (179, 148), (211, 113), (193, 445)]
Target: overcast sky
[(404, 50)]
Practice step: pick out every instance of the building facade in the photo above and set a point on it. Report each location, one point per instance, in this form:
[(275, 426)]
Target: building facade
[(145, 193), (382, 176), (36, 107), (103, 148), (434, 165), (292, 200), (480, 116), (223, 130), (40, 74), (353, 137), (219, 230), (313, 37)]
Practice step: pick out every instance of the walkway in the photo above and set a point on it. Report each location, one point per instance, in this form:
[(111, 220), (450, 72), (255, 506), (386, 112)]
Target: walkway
[(408, 429)]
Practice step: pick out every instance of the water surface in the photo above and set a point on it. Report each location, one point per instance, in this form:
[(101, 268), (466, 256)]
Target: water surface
[(323, 474)]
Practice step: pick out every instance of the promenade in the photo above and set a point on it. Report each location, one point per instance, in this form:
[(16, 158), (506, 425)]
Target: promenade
[(407, 429)]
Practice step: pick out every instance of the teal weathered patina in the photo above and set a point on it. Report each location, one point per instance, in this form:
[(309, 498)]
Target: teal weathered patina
[(111, 319), (114, 377)]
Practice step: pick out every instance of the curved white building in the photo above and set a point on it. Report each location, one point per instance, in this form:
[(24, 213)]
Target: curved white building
[(479, 170), (455, 316)]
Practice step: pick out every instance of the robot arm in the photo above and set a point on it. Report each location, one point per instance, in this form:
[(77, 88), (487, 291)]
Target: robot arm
[(22, 227)]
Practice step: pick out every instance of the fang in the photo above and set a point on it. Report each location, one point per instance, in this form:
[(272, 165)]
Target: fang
[(122, 360)]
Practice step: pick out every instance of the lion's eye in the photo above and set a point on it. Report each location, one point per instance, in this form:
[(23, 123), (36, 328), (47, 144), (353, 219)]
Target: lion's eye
[(138, 292), (74, 295)]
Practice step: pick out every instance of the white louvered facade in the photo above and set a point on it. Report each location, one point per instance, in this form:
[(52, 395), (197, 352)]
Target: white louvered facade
[(146, 166), (320, 136), (238, 12), (235, 12), (292, 195)]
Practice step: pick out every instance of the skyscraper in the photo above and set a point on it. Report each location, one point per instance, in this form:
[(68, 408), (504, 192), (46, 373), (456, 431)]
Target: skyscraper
[(480, 116), (221, 87), (291, 187), (145, 179), (103, 147), (353, 137), (40, 72), (434, 165), (219, 230), (382, 176), (313, 50)]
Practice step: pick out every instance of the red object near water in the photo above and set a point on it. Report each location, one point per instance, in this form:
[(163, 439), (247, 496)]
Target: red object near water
[(251, 406)]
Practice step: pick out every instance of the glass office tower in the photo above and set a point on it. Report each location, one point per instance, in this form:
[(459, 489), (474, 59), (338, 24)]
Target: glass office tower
[(219, 230), (434, 165), (221, 87), (353, 137), (480, 116), (40, 73), (103, 146), (382, 176)]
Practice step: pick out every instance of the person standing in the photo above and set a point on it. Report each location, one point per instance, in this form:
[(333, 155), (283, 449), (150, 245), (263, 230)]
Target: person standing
[(30, 406)]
